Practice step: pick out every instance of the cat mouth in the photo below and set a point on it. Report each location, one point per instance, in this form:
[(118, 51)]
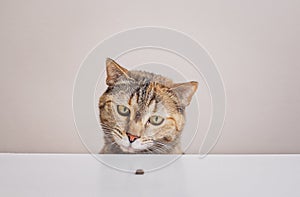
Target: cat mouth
[(128, 149)]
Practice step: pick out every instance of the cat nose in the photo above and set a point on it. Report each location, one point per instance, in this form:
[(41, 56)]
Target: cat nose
[(131, 137)]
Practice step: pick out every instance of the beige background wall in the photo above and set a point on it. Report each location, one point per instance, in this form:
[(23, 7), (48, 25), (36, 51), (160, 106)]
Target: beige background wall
[(256, 45)]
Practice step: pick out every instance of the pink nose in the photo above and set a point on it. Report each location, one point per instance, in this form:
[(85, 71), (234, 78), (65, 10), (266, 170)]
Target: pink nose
[(131, 137)]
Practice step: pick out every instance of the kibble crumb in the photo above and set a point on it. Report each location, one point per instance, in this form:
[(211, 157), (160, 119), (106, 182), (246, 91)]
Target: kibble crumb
[(139, 172)]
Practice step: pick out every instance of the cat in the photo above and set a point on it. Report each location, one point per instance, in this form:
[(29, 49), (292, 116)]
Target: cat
[(142, 112)]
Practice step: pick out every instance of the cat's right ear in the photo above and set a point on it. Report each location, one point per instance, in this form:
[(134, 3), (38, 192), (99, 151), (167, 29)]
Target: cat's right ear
[(114, 71)]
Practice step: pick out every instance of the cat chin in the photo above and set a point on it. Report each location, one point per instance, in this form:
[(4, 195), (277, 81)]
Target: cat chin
[(129, 149), (135, 147)]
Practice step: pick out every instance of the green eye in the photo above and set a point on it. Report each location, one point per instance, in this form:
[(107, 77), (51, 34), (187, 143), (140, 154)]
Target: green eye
[(156, 120), (122, 110)]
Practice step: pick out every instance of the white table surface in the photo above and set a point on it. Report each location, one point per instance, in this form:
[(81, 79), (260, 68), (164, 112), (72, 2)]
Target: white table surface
[(215, 175)]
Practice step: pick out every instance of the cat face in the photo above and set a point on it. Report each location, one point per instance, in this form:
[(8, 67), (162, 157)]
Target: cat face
[(142, 112)]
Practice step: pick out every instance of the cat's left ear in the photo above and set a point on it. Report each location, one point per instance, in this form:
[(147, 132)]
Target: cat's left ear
[(114, 71), (185, 91)]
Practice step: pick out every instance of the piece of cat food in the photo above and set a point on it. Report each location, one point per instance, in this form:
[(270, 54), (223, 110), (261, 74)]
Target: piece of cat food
[(139, 172)]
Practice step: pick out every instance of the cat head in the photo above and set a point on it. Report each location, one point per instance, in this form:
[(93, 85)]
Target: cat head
[(142, 112)]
